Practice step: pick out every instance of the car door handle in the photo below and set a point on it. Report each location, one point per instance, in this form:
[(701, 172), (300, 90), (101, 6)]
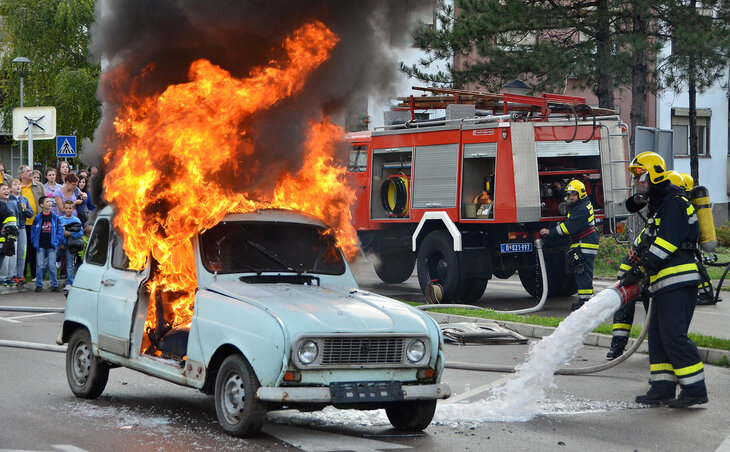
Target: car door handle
[(108, 282)]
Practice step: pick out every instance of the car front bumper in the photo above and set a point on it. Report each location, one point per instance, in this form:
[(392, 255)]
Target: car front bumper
[(323, 395)]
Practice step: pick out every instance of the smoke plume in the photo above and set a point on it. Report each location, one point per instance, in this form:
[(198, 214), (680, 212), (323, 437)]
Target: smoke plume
[(161, 39)]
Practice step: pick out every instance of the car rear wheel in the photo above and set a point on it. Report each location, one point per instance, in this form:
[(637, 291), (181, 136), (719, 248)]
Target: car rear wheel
[(411, 416), (239, 412), (86, 373)]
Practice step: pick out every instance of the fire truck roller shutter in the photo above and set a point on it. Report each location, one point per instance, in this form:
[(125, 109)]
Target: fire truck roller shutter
[(438, 262), (394, 194)]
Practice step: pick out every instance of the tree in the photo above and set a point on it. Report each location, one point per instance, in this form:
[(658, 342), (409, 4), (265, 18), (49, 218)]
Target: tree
[(544, 41), (54, 35), (700, 48)]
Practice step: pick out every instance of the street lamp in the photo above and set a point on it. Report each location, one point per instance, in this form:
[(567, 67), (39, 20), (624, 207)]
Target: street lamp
[(21, 65)]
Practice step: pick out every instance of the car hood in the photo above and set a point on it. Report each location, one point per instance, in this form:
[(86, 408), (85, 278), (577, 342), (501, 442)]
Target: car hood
[(312, 309)]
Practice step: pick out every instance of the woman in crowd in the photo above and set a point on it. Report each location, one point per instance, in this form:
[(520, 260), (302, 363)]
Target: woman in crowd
[(63, 171), (69, 191), (37, 176)]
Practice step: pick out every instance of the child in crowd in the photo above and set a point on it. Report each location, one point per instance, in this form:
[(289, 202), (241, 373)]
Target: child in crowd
[(6, 277), (46, 234), (72, 230), (21, 207)]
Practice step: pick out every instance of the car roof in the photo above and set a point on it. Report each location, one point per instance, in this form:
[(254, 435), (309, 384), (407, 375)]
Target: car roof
[(270, 215)]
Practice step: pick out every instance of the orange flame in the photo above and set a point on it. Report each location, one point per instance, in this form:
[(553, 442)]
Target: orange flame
[(172, 146)]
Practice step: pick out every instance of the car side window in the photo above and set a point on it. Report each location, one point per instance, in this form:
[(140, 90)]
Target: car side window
[(120, 261), (96, 251)]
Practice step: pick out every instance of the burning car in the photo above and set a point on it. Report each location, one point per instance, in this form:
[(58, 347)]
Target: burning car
[(277, 322)]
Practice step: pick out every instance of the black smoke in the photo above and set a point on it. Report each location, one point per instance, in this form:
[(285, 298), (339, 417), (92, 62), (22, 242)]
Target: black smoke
[(241, 35)]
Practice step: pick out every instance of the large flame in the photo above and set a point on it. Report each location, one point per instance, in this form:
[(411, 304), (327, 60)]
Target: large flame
[(161, 175)]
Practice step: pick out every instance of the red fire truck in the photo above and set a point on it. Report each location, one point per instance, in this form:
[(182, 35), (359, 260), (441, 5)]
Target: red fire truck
[(461, 197)]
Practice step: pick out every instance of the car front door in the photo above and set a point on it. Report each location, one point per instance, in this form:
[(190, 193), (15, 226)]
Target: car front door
[(118, 297)]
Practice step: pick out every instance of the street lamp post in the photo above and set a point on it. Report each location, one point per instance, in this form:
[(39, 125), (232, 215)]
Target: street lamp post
[(21, 65)]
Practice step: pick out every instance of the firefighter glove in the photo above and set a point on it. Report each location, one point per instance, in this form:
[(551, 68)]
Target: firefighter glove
[(634, 276)]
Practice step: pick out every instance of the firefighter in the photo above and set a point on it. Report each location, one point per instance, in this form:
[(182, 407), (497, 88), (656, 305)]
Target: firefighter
[(669, 241), (580, 226)]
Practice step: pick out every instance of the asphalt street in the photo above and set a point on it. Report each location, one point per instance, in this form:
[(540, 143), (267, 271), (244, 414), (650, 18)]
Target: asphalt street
[(137, 412)]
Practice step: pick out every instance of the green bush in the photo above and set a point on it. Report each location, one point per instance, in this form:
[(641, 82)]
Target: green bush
[(610, 253), (723, 235)]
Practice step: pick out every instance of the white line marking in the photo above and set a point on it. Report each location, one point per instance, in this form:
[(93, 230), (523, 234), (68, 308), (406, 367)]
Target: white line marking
[(68, 448), (311, 440), (9, 319), (31, 315), (477, 390), (725, 446)]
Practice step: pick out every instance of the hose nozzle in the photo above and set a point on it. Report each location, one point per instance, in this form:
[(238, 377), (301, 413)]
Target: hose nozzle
[(626, 293)]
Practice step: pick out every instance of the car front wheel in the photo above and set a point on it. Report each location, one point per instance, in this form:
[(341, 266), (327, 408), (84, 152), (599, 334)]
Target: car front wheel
[(239, 412), (86, 373), (411, 416)]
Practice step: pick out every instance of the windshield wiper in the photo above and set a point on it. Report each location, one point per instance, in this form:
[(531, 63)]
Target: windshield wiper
[(271, 256)]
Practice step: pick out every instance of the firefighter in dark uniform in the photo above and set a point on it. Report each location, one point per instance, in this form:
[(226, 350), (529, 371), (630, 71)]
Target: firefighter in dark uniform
[(669, 265), (580, 226)]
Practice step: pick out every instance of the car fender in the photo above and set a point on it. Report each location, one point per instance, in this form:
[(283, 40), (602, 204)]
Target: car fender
[(251, 328)]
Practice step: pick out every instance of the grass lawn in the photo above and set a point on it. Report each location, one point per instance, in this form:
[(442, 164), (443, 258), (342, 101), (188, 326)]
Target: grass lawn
[(700, 340)]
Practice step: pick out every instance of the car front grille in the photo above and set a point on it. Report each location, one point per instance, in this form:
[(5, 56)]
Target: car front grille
[(363, 351)]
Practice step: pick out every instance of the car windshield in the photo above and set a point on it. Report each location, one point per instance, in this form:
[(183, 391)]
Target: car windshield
[(244, 247)]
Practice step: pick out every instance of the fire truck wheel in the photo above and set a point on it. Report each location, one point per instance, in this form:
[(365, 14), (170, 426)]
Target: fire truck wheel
[(471, 290), (411, 416), (438, 261), (86, 373), (395, 266), (559, 282), (239, 412)]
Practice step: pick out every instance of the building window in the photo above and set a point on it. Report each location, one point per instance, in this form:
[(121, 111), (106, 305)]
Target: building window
[(680, 127)]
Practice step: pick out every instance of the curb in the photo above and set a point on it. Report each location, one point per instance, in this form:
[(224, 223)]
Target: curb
[(708, 355)]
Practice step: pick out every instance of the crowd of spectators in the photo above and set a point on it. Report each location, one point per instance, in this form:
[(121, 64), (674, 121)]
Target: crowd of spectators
[(51, 219)]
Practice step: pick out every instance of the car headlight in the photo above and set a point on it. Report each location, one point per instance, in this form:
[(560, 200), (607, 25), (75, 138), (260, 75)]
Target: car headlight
[(416, 351), (308, 352)]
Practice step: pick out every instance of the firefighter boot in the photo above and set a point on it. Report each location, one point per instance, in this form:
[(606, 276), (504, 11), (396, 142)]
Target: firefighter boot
[(618, 344), (705, 298), (655, 397), (685, 401)]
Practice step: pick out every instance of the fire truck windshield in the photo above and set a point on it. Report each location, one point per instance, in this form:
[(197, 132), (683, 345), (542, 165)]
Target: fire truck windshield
[(245, 247)]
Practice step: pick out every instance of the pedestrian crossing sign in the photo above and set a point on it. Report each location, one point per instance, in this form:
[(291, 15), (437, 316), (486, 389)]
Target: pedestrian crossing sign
[(65, 146)]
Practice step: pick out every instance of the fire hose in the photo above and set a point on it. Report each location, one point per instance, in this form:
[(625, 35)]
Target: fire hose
[(538, 307)]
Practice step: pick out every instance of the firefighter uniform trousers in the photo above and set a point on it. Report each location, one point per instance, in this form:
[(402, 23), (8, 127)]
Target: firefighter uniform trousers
[(673, 279), (580, 226)]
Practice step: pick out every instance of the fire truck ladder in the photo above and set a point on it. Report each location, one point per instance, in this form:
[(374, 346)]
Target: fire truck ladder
[(611, 163)]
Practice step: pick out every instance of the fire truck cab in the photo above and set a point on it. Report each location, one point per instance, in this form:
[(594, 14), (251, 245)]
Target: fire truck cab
[(462, 197)]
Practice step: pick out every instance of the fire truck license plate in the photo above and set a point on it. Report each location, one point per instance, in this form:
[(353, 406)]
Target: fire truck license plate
[(516, 247)]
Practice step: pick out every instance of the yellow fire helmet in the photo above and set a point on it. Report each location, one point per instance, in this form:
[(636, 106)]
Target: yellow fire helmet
[(650, 163), (576, 186), (688, 181), (675, 178)]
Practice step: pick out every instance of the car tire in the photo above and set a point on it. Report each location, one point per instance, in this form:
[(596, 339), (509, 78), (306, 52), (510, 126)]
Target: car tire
[(412, 416), (86, 373), (395, 266), (437, 261), (239, 412), (560, 283)]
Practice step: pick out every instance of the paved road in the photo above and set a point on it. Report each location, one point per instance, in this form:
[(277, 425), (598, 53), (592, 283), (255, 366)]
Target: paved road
[(137, 412)]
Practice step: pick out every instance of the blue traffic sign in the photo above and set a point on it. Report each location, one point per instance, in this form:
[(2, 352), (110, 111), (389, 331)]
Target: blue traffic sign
[(65, 146)]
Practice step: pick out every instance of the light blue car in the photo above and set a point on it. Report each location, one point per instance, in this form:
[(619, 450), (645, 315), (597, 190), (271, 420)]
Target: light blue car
[(278, 322)]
